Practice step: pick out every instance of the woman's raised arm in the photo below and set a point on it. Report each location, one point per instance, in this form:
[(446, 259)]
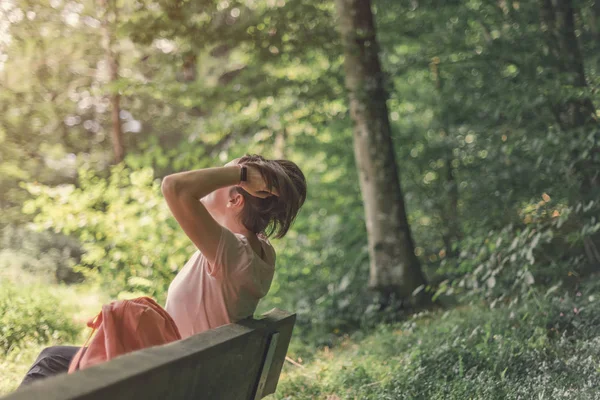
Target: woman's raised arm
[(183, 192)]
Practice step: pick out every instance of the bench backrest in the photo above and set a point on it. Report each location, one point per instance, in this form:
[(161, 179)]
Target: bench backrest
[(237, 361)]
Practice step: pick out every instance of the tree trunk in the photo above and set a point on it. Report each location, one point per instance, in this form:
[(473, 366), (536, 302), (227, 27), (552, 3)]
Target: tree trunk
[(394, 268), (112, 58), (578, 114), (190, 62), (596, 20), (279, 148)]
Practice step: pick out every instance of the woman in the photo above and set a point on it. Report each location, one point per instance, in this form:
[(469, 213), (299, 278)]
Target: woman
[(228, 213)]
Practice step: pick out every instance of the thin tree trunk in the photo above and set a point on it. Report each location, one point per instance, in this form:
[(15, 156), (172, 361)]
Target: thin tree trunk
[(558, 24), (449, 208), (279, 151), (394, 268), (596, 20), (190, 61), (112, 58)]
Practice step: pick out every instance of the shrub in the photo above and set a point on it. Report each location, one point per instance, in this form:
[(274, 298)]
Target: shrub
[(552, 244), (32, 315)]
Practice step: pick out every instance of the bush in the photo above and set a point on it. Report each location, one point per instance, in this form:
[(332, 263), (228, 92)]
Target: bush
[(552, 244), (32, 315)]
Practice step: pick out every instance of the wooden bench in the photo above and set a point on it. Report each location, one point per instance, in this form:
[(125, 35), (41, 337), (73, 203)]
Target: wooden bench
[(237, 361)]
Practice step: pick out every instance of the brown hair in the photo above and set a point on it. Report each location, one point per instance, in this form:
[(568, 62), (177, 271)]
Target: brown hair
[(274, 214)]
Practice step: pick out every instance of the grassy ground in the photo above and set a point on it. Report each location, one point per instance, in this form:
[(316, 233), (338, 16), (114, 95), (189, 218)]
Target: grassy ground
[(546, 348), (77, 303)]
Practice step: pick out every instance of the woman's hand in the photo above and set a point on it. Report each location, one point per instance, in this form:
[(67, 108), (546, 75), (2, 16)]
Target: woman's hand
[(255, 184)]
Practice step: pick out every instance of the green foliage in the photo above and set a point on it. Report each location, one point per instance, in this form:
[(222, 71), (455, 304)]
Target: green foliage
[(545, 348), (41, 315), (474, 90), (552, 244), (48, 114), (492, 179), (33, 315), (132, 245)]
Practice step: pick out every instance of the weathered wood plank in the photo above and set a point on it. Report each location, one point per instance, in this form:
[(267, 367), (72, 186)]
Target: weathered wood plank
[(223, 363), (282, 322)]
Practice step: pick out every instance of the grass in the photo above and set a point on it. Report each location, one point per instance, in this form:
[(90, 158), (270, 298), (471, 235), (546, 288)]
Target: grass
[(15, 365), (546, 348), (77, 303)]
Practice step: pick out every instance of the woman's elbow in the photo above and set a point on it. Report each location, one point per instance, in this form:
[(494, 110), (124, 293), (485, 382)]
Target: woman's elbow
[(169, 185)]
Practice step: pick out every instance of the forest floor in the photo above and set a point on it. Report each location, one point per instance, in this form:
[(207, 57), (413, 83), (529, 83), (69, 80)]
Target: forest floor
[(546, 347)]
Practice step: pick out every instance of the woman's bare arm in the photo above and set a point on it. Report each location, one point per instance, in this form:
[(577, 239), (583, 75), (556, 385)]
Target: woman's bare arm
[(183, 192)]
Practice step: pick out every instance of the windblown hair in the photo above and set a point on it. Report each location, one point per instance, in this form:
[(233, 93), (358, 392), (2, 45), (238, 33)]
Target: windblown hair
[(275, 214)]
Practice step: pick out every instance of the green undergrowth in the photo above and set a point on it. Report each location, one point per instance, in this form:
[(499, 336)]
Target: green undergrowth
[(547, 347), (34, 315)]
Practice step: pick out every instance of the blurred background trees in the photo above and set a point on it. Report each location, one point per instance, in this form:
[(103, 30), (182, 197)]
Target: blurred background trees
[(493, 123)]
